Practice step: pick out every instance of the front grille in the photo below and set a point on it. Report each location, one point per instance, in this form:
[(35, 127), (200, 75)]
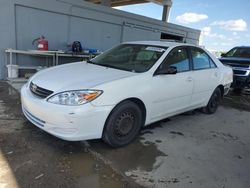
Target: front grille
[(39, 91), (240, 72), (238, 65)]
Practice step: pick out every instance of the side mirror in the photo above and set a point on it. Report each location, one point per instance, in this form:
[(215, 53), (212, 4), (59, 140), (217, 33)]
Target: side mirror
[(168, 70)]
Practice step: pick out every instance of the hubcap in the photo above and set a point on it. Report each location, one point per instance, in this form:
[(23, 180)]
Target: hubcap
[(124, 124), (215, 100)]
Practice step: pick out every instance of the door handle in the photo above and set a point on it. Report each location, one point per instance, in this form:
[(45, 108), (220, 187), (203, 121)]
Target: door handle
[(189, 79)]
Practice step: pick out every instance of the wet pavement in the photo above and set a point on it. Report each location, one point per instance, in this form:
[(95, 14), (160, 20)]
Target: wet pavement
[(189, 150), (30, 157), (238, 100)]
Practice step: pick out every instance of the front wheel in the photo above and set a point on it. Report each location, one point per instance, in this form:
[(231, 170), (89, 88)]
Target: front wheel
[(213, 102), (123, 124)]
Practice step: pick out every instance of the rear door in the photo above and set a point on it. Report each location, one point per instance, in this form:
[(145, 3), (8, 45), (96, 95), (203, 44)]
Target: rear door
[(171, 93), (205, 75)]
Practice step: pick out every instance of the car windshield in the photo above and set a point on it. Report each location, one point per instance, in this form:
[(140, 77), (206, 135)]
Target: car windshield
[(130, 57), (239, 52)]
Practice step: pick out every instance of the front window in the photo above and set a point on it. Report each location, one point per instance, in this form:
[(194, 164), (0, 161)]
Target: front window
[(239, 52), (177, 58), (130, 57)]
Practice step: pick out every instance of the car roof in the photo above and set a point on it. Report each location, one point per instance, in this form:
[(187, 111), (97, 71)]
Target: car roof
[(160, 43)]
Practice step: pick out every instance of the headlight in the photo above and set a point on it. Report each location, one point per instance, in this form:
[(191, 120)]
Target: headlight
[(77, 97)]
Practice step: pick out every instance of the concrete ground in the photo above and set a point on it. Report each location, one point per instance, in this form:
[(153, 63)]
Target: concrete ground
[(189, 150)]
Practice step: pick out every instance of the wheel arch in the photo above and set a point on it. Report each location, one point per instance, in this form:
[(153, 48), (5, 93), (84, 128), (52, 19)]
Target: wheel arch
[(221, 87), (135, 100)]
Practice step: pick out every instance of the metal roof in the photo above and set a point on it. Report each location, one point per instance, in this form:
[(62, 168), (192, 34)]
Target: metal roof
[(160, 43), (115, 3)]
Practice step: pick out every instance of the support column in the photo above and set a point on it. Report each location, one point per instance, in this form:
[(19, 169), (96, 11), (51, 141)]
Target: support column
[(106, 3), (166, 9)]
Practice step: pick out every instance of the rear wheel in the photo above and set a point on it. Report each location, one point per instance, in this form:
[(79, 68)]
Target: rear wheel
[(213, 103), (123, 124)]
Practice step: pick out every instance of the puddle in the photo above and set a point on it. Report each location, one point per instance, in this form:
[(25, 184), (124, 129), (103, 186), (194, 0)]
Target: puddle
[(135, 155), (139, 154), (86, 170)]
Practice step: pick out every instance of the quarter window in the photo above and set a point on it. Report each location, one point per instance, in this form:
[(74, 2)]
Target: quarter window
[(212, 64), (177, 58)]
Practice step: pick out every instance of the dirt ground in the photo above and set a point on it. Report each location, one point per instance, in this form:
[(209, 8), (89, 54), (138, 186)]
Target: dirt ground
[(189, 150)]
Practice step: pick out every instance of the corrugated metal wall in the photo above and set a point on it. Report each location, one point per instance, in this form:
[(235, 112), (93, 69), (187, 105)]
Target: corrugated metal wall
[(64, 21)]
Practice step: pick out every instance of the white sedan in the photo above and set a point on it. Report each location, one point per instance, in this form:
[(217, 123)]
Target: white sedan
[(127, 87)]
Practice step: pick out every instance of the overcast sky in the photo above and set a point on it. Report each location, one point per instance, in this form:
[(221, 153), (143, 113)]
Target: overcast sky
[(224, 23)]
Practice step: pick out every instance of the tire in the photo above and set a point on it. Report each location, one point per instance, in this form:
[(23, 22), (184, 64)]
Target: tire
[(123, 124), (213, 102)]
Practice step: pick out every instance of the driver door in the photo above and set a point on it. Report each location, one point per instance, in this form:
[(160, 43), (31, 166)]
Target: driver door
[(172, 92)]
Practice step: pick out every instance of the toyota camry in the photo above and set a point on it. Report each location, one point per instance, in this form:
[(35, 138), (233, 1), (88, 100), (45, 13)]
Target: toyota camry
[(132, 85)]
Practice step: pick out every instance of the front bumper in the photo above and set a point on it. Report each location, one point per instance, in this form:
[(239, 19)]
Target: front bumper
[(72, 123), (241, 81)]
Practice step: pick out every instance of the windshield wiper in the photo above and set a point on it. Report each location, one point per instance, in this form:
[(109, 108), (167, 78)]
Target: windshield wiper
[(103, 65), (115, 67), (89, 61), (110, 66)]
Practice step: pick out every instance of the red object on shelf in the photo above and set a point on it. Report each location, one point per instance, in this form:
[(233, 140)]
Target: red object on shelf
[(42, 43)]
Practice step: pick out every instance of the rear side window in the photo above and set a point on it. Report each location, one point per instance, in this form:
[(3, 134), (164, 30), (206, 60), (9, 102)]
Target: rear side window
[(201, 59), (177, 58)]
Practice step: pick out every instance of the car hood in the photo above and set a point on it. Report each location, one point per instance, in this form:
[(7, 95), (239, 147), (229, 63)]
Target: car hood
[(235, 60), (79, 75)]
